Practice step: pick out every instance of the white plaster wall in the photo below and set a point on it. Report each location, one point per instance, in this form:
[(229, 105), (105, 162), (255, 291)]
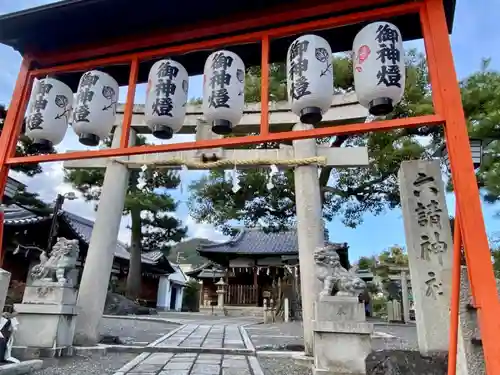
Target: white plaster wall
[(163, 296), (178, 301)]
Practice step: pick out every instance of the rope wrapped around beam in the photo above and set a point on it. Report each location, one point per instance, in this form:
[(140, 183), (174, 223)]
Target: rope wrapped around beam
[(319, 160)]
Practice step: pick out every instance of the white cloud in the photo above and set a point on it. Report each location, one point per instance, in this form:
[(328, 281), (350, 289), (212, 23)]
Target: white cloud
[(200, 230)]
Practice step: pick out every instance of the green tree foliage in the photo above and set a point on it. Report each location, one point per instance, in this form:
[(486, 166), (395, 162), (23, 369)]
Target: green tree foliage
[(347, 193), (481, 100), (383, 264), (350, 193), (367, 263), (495, 254), (150, 207), (191, 296)]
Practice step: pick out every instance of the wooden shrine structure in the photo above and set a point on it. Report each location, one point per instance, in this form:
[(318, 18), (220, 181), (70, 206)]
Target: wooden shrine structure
[(260, 33), (253, 264)]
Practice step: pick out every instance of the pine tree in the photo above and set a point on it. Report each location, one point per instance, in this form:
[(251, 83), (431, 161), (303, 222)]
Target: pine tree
[(150, 207)]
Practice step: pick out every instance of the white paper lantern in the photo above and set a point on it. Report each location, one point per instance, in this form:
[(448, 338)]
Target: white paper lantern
[(94, 111), (166, 98), (49, 112), (379, 69), (309, 78), (223, 91)]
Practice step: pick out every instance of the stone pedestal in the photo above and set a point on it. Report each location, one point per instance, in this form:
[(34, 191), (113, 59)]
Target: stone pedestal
[(342, 337), (269, 311), (46, 316), (404, 297), (220, 299), (394, 311), (221, 292), (4, 286), (470, 358)]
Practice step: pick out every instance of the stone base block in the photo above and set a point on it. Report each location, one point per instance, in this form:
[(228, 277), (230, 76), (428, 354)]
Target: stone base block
[(4, 286), (45, 326), (24, 353), (50, 294), (340, 348), (339, 308)]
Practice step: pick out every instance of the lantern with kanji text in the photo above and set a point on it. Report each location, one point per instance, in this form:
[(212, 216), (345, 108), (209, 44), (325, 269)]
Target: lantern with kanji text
[(379, 69), (94, 111), (309, 78), (223, 91), (48, 112), (166, 98)]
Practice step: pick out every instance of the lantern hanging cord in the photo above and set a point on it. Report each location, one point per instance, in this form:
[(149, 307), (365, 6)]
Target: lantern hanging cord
[(318, 160)]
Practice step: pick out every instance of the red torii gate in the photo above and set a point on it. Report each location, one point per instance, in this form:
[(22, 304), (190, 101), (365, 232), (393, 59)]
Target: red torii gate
[(125, 52)]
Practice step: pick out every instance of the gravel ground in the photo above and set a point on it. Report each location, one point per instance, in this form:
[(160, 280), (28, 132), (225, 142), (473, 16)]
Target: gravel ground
[(89, 365), (407, 362), (282, 366), (134, 331), (289, 336), (406, 337)]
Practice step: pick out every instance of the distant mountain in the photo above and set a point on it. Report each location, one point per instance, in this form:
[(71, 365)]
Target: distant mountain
[(187, 250)]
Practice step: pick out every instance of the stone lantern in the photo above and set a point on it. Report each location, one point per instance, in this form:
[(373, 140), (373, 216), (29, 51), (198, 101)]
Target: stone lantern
[(221, 290)]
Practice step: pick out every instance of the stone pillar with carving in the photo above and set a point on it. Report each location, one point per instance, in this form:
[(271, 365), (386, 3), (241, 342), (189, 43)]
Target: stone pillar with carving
[(429, 244), (49, 301), (342, 337)]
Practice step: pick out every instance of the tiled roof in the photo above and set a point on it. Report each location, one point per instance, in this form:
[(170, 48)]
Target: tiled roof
[(83, 228), (207, 270), (256, 241), (17, 215)]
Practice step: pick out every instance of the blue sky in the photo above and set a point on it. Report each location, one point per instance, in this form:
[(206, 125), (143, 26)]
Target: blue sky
[(475, 35)]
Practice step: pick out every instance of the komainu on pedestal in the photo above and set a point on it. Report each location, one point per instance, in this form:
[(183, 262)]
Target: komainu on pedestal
[(342, 337), (336, 279), (49, 301), (55, 268)]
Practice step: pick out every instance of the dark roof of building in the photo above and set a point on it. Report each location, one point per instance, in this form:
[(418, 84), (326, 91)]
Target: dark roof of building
[(78, 24), (208, 270), (256, 242), (17, 216)]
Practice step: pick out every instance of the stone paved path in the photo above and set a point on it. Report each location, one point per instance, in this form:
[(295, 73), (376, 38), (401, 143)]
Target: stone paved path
[(193, 318), (213, 346), (206, 336), (191, 364)]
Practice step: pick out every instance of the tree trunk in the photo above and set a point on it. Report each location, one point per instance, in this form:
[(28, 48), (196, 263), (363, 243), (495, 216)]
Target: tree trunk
[(134, 269)]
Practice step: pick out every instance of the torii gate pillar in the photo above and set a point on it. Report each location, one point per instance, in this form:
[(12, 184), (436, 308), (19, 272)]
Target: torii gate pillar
[(99, 261), (310, 229)]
